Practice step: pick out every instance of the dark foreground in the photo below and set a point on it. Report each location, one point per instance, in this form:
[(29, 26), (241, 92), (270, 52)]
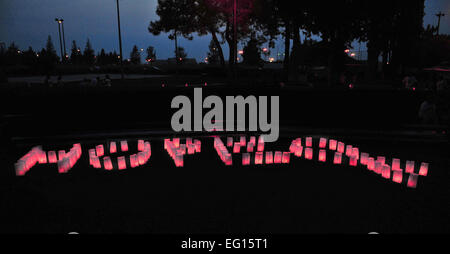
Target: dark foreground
[(205, 196)]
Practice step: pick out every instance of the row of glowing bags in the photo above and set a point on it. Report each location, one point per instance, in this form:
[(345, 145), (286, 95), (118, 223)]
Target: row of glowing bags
[(37, 155), (350, 151), (135, 159), (277, 157), (176, 150)]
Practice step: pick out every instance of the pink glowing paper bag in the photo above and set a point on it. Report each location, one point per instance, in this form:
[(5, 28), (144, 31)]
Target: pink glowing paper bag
[(107, 163), (308, 153), (322, 155), (423, 171), (124, 146), (409, 168), (322, 143), (386, 171), (277, 157), (332, 144), (121, 162), (309, 141), (337, 158), (412, 180), (258, 158), (286, 157), (397, 176), (269, 157), (112, 147), (245, 159)]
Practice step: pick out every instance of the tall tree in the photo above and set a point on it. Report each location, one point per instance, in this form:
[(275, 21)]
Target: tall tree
[(102, 57), (12, 54), (48, 57), (392, 29), (135, 55), (151, 54), (209, 20), (184, 17), (75, 55), (29, 57), (408, 26), (252, 52), (88, 54), (181, 54), (50, 48), (2, 54), (214, 54), (224, 10), (176, 17), (338, 24)]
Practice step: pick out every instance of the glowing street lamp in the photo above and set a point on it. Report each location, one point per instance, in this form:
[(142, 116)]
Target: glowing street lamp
[(120, 39), (61, 24)]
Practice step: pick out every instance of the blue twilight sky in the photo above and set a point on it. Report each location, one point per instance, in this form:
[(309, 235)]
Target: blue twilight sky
[(29, 22)]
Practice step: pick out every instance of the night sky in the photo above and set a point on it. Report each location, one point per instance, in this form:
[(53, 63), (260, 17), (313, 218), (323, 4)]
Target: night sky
[(29, 22)]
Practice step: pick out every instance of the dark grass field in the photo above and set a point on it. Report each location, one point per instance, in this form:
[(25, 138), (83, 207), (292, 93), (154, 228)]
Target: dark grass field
[(205, 196)]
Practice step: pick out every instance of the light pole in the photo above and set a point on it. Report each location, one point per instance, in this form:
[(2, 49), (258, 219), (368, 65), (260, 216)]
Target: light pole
[(120, 40), (64, 39), (59, 21), (235, 39), (439, 15)]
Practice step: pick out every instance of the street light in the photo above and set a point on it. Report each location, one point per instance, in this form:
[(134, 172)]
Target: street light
[(439, 15), (60, 23), (120, 39), (64, 37), (234, 60)]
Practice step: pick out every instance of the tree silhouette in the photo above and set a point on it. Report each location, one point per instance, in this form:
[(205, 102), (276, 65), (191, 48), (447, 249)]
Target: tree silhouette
[(75, 56), (176, 17), (114, 58), (209, 20), (88, 54), (224, 10), (48, 57), (391, 29), (49, 47), (338, 24), (151, 54), (252, 52), (102, 58), (184, 17), (213, 54), (135, 55), (2, 54), (433, 49), (29, 57), (181, 54), (12, 54)]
